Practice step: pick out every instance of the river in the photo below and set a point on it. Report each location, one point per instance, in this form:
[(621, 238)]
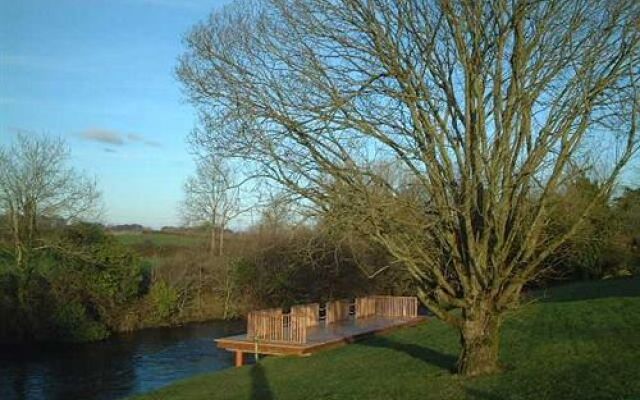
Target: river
[(120, 366)]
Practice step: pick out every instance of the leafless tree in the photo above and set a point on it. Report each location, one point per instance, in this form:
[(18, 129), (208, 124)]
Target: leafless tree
[(212, 196), (275, 215), (36, 183), (487, 104)]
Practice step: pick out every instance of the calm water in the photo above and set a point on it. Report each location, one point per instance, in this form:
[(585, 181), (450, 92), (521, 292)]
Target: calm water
[(115, 368)]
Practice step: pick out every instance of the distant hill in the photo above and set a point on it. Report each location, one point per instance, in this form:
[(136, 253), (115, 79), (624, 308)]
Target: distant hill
[(126, 228)]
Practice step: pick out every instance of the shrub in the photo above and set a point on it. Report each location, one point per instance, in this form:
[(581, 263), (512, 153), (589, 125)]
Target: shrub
[(76, 290), (164, 301), (73, 324)]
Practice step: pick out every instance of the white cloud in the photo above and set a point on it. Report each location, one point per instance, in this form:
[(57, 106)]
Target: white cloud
[(137, 138), (102, 136), (116, 138)]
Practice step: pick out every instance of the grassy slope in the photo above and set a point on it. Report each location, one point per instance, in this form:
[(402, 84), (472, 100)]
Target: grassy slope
[(581, 342), (155, 247), (159, 239)]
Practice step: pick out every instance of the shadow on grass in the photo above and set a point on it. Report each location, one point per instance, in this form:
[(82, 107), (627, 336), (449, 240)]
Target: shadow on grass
[(260, 388), (587, 290), (424, 354), (481, 395)]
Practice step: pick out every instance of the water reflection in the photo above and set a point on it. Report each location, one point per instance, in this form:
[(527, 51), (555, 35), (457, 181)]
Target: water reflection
[(118, 367)]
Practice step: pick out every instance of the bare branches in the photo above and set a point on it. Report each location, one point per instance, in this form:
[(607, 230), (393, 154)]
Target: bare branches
[(36, 183), (213, 197), (487, 106)]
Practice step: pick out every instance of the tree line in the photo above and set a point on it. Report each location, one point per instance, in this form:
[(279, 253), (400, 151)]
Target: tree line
[(78, 282)]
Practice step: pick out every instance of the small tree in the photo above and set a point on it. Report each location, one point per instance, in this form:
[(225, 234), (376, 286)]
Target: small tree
[(487, 104), (38, 188), (212, 196), (37, 185)]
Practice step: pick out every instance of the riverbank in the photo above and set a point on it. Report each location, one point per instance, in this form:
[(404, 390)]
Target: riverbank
[(578, 341)]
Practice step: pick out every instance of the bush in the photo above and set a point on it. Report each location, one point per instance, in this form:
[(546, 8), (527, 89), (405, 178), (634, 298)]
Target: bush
[(73, 324), (74, 291), (163, 300), (305, 266), (604, 244)]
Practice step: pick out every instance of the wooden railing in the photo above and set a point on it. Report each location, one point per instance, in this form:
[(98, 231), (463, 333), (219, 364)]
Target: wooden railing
[(310, 311), (365, 306), (396, 306), (272, 327), (337, 311)]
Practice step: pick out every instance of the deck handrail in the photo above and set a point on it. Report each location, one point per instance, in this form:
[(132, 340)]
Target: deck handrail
[(396, 306), (337, 311), (272, 325), (310, 311), (365, 307)]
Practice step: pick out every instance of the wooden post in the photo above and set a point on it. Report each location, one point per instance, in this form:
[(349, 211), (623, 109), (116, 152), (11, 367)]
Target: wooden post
[(239, 358)]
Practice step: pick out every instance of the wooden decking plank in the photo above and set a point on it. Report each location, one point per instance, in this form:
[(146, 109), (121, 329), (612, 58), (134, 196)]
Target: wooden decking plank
[(320, 337)]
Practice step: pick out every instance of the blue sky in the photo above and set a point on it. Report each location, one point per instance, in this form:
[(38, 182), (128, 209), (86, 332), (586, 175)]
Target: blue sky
[(101, 74)]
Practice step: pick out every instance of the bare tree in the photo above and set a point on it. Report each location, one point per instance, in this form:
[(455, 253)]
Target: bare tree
[(36, 183), (275, 215), (487, 105), (212, 196)]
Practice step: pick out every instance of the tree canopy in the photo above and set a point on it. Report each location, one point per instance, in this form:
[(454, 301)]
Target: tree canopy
[(488, 108)]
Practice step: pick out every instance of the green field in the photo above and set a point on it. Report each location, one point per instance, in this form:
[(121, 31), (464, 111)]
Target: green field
[(581, 341), (159, 239)]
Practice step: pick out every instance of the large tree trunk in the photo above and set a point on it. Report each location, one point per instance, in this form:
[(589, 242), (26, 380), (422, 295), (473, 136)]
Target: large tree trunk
[(480, 339)]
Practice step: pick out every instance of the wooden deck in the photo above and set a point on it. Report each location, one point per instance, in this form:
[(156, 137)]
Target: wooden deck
[(319, 337)]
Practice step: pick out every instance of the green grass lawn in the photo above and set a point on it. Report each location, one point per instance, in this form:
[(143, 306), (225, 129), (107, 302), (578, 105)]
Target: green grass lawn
[(581, 341)]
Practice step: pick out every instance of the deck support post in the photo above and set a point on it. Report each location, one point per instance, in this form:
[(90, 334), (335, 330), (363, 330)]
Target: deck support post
[(239, 358)]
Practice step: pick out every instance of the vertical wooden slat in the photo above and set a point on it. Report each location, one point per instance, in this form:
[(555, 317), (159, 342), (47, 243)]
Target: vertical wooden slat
[(311, 313), (330, 311), (365, 307), (337, 311)]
